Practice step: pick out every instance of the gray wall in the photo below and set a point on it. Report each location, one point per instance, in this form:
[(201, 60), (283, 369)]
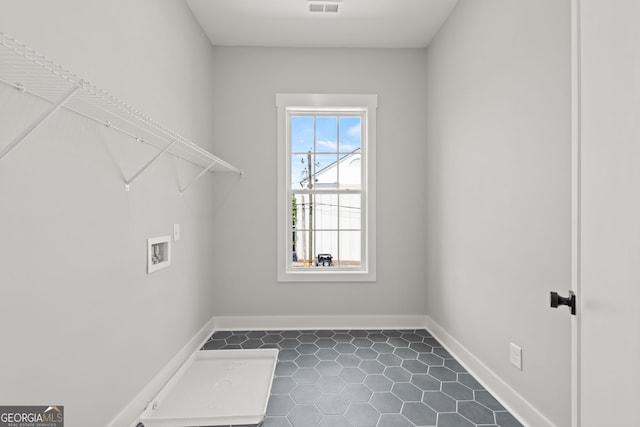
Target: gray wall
[(498, 190), (246, 81), (82, 324)]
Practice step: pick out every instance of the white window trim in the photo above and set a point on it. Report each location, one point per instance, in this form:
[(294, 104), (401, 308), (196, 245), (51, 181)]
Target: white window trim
[(369, 102)]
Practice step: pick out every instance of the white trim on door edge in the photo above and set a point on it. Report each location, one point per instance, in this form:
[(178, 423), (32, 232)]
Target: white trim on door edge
[(575, 209)]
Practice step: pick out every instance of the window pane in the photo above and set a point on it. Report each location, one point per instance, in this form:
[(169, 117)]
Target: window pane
[(326, 171), (350, 171), (299, 229), (326, 246), (350, 249), (326, 134), (299, 174), (325, 211), (350, 212), (300, 250), (350, 135), (301, 134)]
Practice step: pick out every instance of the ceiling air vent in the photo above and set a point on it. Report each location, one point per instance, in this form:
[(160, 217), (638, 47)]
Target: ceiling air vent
[(320, 6), (331, 7)]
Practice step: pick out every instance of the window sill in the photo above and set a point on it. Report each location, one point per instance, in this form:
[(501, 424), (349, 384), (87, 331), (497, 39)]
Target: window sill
[(327, 276)]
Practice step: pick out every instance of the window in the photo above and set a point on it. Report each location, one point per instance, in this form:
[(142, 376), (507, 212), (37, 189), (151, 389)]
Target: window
[(326, 194)]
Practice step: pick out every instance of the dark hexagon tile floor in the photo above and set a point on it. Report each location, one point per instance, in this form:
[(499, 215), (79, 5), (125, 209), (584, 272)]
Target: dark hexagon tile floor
[(357, 378)]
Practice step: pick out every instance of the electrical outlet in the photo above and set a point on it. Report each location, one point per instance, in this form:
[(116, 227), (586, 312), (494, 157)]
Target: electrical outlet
[(515, 356)]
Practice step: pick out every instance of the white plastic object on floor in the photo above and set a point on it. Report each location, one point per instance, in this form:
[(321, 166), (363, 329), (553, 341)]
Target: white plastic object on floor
[(216, 387)]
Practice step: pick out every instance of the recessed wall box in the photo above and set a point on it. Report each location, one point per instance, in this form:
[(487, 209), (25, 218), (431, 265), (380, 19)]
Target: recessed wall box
[(158, 253)]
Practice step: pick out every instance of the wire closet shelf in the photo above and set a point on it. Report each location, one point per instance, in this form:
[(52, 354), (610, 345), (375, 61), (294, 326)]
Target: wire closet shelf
[(31, 72)]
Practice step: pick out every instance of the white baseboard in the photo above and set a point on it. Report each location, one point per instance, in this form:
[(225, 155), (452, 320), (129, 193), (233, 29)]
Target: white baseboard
[(264, 323), (128, 416), (517, 405)]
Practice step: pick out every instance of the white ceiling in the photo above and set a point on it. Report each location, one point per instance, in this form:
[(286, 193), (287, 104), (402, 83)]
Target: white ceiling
[(289, 23)]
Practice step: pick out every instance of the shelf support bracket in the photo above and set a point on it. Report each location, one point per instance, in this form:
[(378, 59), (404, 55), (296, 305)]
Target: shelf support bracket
[(182, 190), (149, 163), (40, 120)]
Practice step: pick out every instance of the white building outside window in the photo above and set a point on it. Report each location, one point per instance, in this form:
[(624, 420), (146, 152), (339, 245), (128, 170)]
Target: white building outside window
[(326, 194)]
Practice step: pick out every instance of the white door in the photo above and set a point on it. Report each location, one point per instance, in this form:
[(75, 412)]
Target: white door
[(607, 339)]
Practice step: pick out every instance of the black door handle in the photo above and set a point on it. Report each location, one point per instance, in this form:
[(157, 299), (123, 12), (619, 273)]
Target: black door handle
[(569, 301)]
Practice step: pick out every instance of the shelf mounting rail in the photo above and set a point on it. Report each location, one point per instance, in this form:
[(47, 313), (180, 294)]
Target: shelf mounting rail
[(31, 72)]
